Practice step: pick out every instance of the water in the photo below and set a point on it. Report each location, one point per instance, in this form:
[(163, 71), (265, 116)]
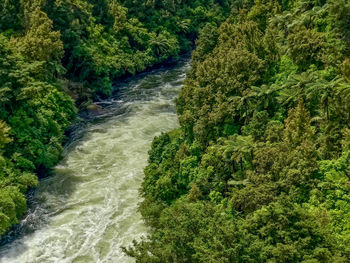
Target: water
[(88, 209)]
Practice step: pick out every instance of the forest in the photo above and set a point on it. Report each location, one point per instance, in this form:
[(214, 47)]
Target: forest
[(259, 170), (57, 56)]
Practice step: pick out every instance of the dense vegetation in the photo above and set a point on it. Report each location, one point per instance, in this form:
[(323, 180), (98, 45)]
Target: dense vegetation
[(59, 54), (260, 169)]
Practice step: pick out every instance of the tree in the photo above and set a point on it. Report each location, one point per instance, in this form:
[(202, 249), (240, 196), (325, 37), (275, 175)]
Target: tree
[(306, 47), (293, 88), (164, 46), (118, 12), (10, 15), (264, 116), (40, 42), (4, 135)]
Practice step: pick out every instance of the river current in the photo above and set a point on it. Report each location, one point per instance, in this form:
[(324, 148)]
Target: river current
[(87, 209)]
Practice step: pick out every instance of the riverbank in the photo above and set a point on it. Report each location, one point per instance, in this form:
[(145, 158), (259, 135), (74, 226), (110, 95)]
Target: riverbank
[(57, 54), (108, 108), (99, 176)]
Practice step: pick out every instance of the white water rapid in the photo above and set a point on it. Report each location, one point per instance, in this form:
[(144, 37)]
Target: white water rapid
[(87, 209)]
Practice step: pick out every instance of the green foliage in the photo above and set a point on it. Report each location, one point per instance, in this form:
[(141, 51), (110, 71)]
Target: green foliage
[(34, 113), (260, 172), (11, 13), (40, 42), (13, 185), (332, 195), (164, 45), (107, 39), (49, 49)]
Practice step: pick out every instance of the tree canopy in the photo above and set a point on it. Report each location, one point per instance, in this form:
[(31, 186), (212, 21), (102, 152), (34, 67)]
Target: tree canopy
[(259, 170), (60, 55)]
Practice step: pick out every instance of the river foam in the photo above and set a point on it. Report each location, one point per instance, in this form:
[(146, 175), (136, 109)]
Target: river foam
[(88, 209)]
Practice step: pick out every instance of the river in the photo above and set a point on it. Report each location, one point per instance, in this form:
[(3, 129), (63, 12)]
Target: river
[(87, 209)]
